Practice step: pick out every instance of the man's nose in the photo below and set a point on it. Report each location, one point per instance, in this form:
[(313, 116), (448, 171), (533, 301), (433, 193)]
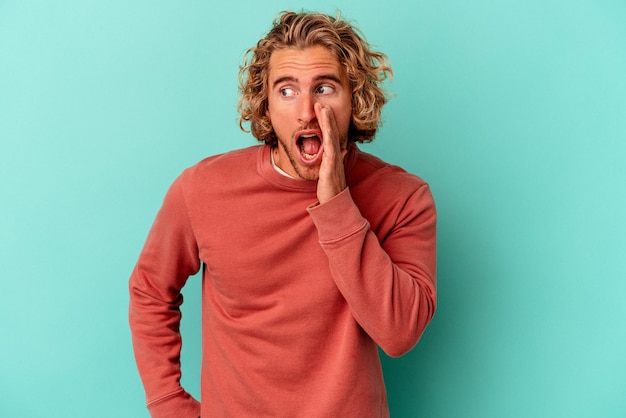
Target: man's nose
[(307, 108)]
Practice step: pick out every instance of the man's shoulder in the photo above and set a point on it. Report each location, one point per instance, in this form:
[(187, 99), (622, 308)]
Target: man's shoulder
[(371, 171), (383, 191), (225, 164), (234, 157)]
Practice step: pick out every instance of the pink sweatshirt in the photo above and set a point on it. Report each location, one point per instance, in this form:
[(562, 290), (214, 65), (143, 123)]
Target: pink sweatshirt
[(296, 295)]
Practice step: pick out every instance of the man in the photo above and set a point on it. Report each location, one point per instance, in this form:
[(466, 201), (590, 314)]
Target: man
[(313, 253)]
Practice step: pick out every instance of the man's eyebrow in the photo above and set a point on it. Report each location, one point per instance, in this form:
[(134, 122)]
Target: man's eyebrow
[(322, 77), (331, 77), (283, 79)]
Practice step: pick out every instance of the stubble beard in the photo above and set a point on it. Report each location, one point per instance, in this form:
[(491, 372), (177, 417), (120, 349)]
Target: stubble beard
[(312, 174)]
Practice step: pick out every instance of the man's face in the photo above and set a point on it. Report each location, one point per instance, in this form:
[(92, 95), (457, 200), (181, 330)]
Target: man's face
[(298, 78)]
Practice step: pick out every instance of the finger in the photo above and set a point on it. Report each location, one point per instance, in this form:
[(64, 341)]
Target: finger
[(323, 120), (328, 126)]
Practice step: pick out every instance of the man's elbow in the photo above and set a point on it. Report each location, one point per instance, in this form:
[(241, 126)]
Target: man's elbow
[(402, 341)]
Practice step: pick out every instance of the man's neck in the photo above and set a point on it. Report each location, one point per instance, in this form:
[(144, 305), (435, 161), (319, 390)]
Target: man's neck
[(277, 168)]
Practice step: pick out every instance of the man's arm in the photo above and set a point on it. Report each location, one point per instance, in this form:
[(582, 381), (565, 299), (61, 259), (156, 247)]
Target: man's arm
[(169, 257), (391, 289)]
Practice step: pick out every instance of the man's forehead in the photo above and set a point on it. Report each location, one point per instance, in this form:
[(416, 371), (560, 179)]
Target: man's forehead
[(303, 60)]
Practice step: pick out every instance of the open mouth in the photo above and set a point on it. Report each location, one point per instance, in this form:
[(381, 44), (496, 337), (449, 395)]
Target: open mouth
[(310, 146)]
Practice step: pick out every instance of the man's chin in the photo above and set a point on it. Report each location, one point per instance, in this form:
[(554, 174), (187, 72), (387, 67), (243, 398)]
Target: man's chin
[(308, 173)]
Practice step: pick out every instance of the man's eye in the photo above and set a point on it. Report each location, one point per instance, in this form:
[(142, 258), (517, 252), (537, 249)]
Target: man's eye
[(325, 90), (286, 92)]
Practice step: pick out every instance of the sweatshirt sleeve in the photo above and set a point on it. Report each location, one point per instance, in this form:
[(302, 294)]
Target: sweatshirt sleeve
[(389, 285), (169, 257)]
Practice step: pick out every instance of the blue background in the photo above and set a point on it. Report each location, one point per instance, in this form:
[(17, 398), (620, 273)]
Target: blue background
[(513, 111)]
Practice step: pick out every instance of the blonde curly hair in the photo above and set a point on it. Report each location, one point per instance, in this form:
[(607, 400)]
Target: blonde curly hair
[(366, 70)]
